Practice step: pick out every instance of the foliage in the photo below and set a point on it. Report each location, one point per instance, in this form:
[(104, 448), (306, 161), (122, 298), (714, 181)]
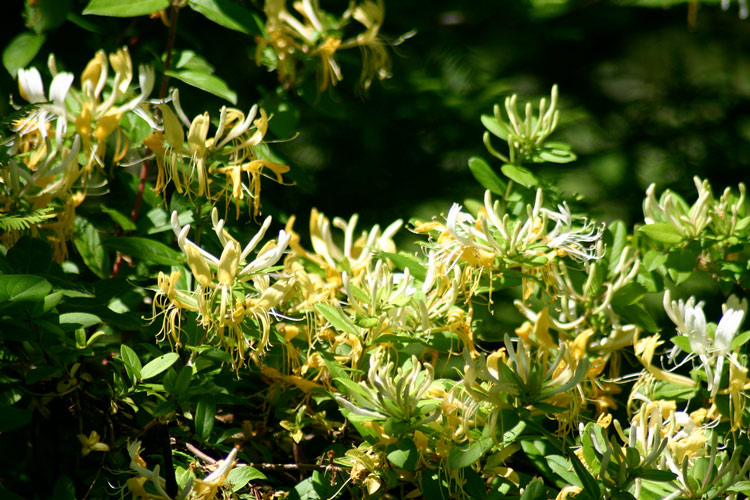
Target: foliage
[(151, 346)]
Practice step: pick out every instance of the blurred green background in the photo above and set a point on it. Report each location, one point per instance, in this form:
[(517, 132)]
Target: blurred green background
[(647, 95)]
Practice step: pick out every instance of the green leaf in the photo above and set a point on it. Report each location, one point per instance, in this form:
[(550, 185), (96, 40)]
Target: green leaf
[(535, 490), (89, 244), (654, 474), (563, 468), (590, 485), (619, 234), (21, 288), (64, 489), (519, 174), (121, 220), (403, 455), (637, 315), (682, 261), (682, 342), (230, 15), (740, 340), (483, 173), (654, 259), (13, 418), (132, 363), (495, 127), (337, 318), (82, 319), (21, 51), (146, 249), (158, 365), (460, 457), (240, 476), (204, 416), (403, 262), (556, 153), (204, 81), (129, 8), (629, 294), (662, 232)]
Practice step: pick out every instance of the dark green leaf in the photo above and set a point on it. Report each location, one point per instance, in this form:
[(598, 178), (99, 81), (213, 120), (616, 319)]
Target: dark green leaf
[(132, 363), (590, 485), (121, 220), (682, 261), (89, 244), (654, 474), (535, 490), (521, 175), (464, 456), (229, 14), (13, 418), (158, 365), (483, 173), (637, 315), (129, 8), (204, 416), (82, 319), (18, 288), (404, 454), (629, 294), (64, 489), (21, 51), (207, 82), (146, 249), (48, 14)]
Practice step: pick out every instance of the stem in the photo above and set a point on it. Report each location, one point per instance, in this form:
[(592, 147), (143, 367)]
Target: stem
[(174, 12)]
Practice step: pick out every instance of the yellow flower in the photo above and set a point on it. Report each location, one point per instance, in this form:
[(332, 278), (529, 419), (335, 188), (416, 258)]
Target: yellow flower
[(91, 443)]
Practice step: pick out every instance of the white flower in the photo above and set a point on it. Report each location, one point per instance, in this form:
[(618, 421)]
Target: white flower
[(578, 242)]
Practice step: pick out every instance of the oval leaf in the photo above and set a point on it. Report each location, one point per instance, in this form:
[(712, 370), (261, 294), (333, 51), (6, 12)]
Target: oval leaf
[(662, 232), (204, 416), (483, 173), (209, 83), (21, 51), (240, 476), (130, 358), (495, 127), (404, 454), (229, 14), (23, 288), (336, 318), (130, 8), (146, 249), (158, 365), (521, 175)]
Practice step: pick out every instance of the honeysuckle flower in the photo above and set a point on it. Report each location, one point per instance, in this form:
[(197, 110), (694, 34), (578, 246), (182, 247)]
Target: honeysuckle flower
[(671, 209), (206, 488), (398, 395), (91, 443), (577, 242), (318, 33), (691, 322)]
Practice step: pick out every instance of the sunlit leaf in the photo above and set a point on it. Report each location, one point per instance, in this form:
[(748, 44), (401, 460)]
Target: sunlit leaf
[(129, 8)]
